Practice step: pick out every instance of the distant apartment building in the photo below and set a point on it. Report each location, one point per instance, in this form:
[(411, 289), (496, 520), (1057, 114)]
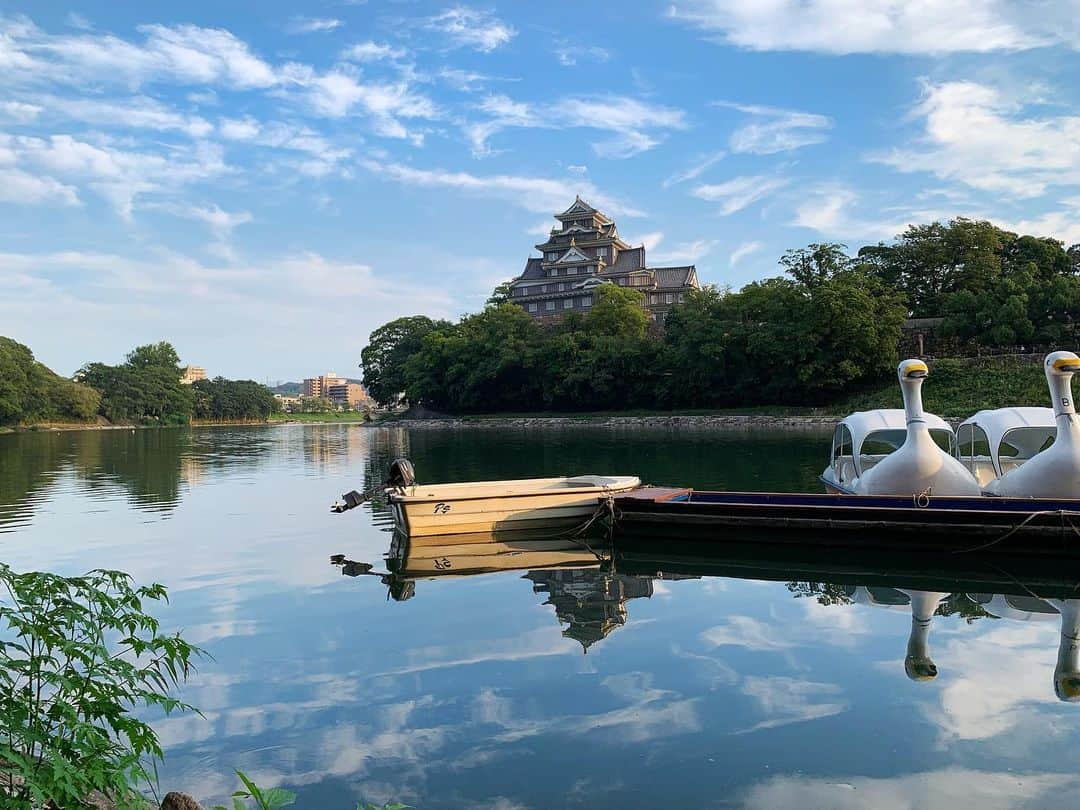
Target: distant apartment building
[(347, 395), (320, 386), (193, 373), (585, 251)]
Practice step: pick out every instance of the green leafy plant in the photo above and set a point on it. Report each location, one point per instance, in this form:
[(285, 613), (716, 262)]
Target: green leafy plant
[(390, 806), (264, 798), (77, 656)]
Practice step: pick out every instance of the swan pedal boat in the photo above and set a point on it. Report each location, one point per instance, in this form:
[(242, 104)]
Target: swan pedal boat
[(863, 439), (994, 442), (424, 510)]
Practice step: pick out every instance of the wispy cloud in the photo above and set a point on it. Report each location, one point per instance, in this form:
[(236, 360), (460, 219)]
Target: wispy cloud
[(698, 168), (569, 54), (684, 252), (636, 125), (23, 188), (539, 194), (119, 175), (465, 27), (742, 251), (740, 192), (773, 129), (313, 25), (373, 52), (877, 26)]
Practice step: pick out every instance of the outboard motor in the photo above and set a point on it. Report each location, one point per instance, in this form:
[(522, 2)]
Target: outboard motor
[(401, 474)]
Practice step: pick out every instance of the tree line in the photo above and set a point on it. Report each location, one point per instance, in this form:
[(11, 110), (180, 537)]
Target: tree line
[(144, 389), (828, 327)]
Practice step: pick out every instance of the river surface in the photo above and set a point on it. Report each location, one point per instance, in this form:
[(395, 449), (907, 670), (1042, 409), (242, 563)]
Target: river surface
[(540, 688)]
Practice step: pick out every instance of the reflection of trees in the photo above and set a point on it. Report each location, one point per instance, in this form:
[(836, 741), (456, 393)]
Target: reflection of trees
[(151, 466), (829, 593), (28, 463)]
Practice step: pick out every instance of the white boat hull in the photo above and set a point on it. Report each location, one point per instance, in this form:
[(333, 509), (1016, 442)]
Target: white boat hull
[(443, 509)]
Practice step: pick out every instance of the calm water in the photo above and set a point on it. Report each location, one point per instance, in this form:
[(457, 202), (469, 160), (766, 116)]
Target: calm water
[(696, 690)]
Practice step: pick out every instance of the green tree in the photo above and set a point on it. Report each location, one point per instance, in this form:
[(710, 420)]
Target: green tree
[(389, 347), (30, 392), (500, 295), (617, 312), (815, 264)]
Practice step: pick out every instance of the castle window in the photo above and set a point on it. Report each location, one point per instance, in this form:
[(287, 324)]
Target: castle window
[(601, 252), (549, 305), (586, 301), (567, 303), (532, 307), (571, 271), (669, 298)]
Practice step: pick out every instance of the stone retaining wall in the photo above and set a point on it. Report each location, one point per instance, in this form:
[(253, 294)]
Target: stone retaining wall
[(718, 421)]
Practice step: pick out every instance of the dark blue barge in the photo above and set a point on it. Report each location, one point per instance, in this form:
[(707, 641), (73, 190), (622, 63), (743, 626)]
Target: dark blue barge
[(921, 523)]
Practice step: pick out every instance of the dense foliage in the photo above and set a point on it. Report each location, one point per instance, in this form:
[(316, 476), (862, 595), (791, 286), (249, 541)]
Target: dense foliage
[(992, 287), (387, 350), (231, 399), (146, 389), (828, 329), (77, 656), (30, 392)]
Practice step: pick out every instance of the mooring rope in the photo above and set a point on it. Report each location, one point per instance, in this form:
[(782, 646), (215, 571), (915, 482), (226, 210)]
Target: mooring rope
[(1065, 515)]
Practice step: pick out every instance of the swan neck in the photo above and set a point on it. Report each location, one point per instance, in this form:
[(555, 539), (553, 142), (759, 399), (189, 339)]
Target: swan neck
[(1061, 394), (913, 407)]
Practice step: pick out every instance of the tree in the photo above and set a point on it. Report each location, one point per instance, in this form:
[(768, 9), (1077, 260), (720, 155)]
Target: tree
[(389, 347), (617, 312), (815, 264), (145, 388), (500, 295)]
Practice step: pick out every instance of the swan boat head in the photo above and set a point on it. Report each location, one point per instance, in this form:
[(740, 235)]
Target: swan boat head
[(1054, 472), (919, 466)]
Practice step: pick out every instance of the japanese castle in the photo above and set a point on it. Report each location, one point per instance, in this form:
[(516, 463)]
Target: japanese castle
[(584, 252)]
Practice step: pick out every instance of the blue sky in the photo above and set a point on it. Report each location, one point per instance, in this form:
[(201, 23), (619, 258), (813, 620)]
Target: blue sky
[(264, 184)]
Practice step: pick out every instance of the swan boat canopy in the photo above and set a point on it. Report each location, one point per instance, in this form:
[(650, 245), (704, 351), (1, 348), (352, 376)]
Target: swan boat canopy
[(919, 466), (1054, 472), (426, 510), (864, 438), (994, 442)]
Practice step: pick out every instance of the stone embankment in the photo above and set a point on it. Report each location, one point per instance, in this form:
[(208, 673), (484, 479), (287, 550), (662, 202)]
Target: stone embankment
[(719, 421)]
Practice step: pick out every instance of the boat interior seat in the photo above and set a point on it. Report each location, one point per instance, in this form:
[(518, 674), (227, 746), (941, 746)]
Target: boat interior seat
[(847, 470)]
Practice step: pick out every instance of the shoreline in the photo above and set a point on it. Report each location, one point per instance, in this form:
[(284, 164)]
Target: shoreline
[(729, 421), (675, 420)]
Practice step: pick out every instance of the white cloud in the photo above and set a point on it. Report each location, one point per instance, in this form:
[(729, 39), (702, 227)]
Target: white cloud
[(539, 194), (321, 156), (631, 120), (933, 790), (742, 251), (18, 111), (118, 175), (828, 209), (877, 26), (372, 52), (1063, 224), (775, 130), (684, 252), (974, 134), (740, 192), (784, 701), (696, 170), (466, 27), (137, 112), (220, 222), (313, 25), (23, 188), (748, 633), (567, 54)]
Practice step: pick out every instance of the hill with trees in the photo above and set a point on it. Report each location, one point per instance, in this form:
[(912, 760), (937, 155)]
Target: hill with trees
[(31, 392), (827, 331)]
